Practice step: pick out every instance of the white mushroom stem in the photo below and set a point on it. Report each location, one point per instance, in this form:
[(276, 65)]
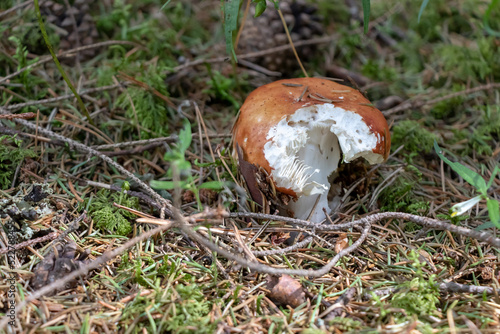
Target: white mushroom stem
[(305, 148)]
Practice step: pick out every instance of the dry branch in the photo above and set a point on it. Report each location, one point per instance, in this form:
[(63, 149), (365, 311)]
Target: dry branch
[(83, 148)]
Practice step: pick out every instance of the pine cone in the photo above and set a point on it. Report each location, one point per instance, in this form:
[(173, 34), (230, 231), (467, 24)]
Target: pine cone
[(266, 31), (77, 16)]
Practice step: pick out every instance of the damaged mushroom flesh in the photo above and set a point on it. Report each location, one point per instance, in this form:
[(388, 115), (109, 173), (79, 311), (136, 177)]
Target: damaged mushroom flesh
[(299, 131)]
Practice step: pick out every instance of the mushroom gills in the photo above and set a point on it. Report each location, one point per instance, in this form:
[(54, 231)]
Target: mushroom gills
[(305, 148), (303, 154), (322, 153)]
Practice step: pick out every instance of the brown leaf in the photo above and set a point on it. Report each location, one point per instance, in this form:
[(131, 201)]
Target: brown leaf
[(341, 243), (285, 290), (279, 237)]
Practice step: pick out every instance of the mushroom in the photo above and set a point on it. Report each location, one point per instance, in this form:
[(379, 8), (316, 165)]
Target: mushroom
[(299, 131)]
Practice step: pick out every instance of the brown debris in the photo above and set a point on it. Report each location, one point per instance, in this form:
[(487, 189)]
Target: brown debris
[(60, 262), (285, 290), (279, 238), (342, 242)]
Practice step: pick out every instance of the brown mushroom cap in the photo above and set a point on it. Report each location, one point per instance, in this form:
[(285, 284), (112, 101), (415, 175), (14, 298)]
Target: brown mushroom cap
[(266, 106)]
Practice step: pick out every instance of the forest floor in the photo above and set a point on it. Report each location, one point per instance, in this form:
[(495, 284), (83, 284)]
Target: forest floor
[(90, 247)]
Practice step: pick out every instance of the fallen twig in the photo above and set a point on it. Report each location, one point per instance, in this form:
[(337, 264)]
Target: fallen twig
[(26, 115), (66, 54), (18, 106), (423, 221), (411, 104), (81, 147), (21, 245), (337, 308), (168, 139)]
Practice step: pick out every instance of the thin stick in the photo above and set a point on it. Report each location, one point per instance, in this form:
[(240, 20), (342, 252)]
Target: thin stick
[(26, 115), (243, 21), (168, 139), (81, 147), (58, 65), (417, 104), (423, 221), (270, 270), (291, 43), (312, 41), (21, 245), (16, 7), (18, 106), (67, 54)]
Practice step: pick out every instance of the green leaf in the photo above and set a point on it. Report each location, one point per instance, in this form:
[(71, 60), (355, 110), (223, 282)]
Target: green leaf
[(214, 185), (231, 9), (260, 8), (366, 14), (182, 165), (168, 185), (216, 163), (485, 226), (492, 178), (486, 19), (467, 174), (185, 137), (422, 8), (173, 155), (165, 5), (494, 211)]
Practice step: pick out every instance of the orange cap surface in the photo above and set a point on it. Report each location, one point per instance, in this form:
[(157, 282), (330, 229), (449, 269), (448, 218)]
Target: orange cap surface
[(266, 106)]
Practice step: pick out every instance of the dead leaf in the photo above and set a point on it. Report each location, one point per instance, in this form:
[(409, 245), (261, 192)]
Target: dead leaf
[(285, 290), (279, 237), (341, 243)]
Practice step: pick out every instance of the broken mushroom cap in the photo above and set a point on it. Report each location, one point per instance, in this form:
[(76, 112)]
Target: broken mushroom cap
[(299, 130)]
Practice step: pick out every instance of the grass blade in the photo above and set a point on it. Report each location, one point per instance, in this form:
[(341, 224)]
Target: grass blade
[(366, 14), (467, 174), (422, 8), (494, 211)]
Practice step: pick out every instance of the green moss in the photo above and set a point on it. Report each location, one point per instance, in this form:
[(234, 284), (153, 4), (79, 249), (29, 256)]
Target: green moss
[(450, 107), (488, 130), (160, 37), (119, 16), (376, 70), (185, 309), (420, 295), (108, 220), (476, 60), (349, 44), (400, 195), (413, 136), (11, 155), (107, 217), (145, 108), (440, 19), (220, 88), (481, 138), (6, 4)]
